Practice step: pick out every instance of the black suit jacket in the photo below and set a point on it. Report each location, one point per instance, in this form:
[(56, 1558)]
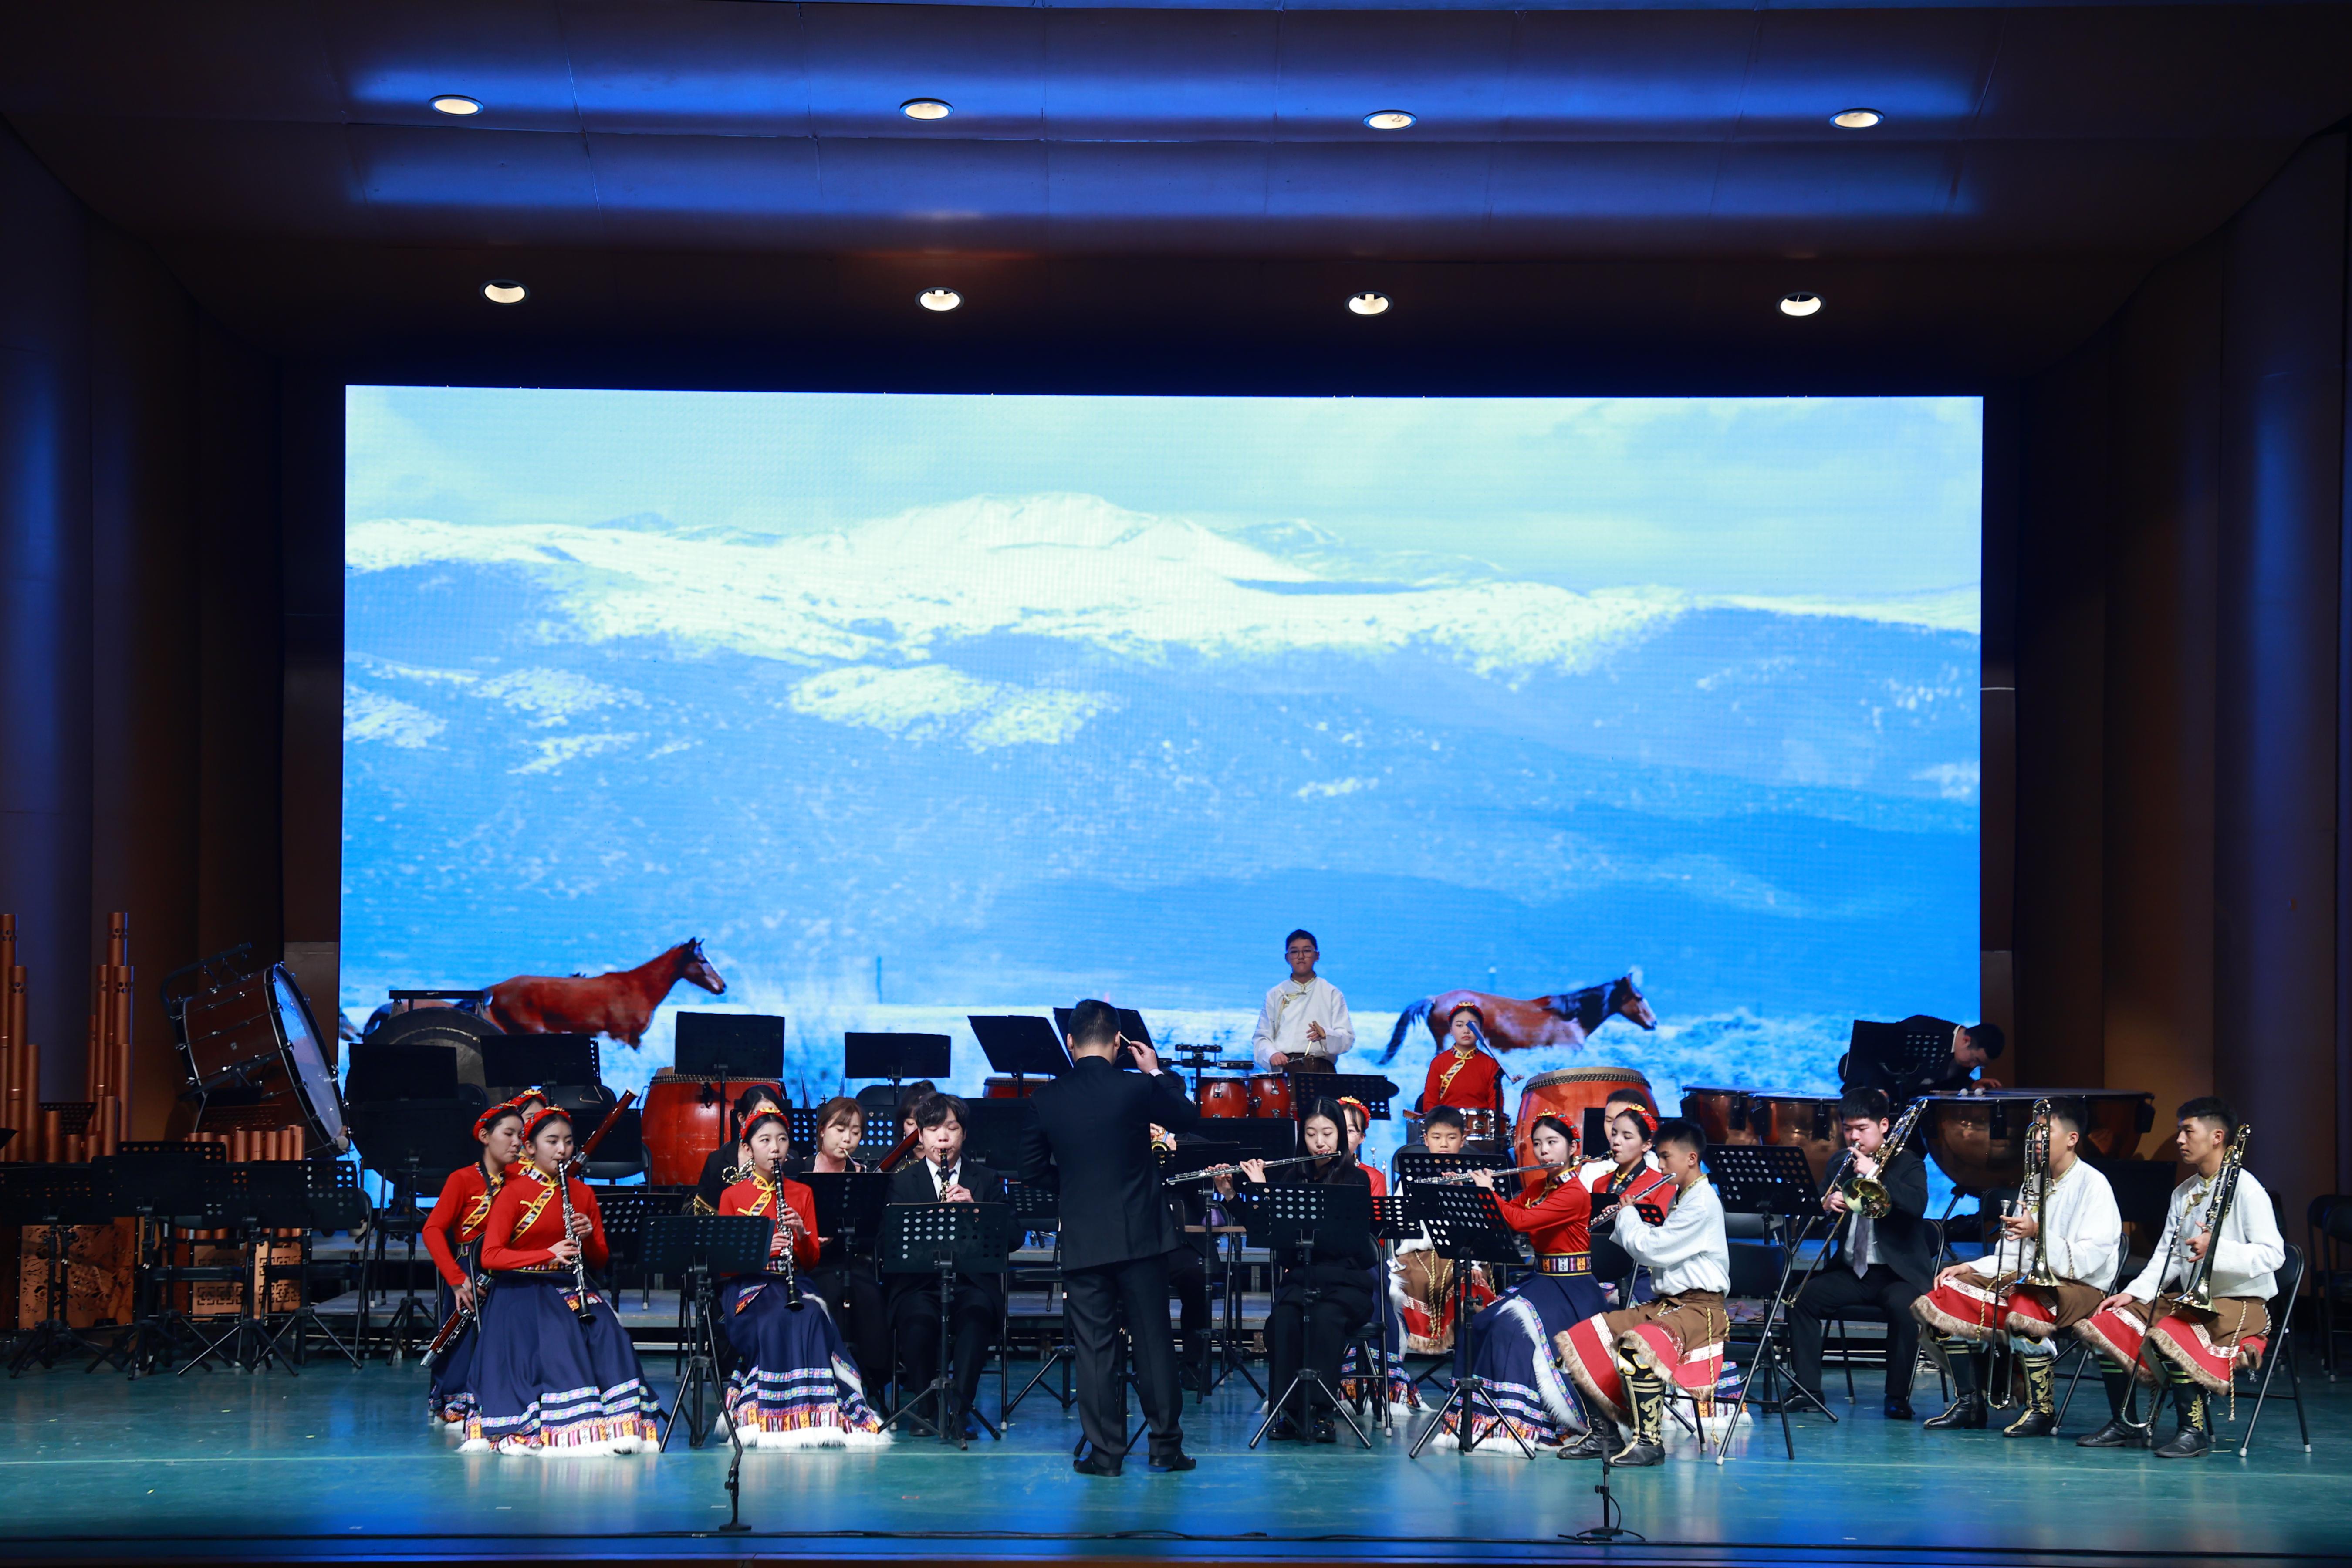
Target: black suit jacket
[(1090, 1139), (911, 1183), (1906, 1243)]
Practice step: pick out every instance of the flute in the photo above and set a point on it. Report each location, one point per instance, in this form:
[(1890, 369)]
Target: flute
[(1232, 1169), (1453, 1176)]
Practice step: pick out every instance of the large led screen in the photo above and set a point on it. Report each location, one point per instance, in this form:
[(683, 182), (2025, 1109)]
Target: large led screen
[(909, 707)]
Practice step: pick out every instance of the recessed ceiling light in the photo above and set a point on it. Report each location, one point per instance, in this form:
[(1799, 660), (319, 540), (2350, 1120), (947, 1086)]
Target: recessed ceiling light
[(1800, 304), (1856, 119), (938, 298), (1368, 303), (927, 109), (1388, 120), (504, 291), (458, 103)]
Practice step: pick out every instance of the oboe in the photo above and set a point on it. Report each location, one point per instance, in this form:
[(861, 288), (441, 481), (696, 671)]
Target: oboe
[(780, 1239), (580, 1253)]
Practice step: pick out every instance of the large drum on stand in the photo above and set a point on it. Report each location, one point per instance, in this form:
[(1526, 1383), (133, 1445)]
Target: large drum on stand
[(1807, 1122), (251, 1053), (1269, 1095), (1566, 1094), (1723, 1114), (1979, 1139), (1224, 1098), (685, 1120)]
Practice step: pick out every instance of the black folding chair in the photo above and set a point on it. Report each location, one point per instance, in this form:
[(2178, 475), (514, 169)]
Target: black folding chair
[(2282, 1344)]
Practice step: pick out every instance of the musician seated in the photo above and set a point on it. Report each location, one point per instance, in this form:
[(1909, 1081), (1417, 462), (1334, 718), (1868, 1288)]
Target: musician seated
[(1338, 1275), (1615, 1162), (1423, 1280), (1445, 1131), (1304, 1023), (794, 1386), (845, 1274), (1629, 1157), (1887, 1262), (554, 1371), (1625, 1358), (943, 1175), (910, 1100), (452, 1232), (2048, 1272), (1465, 1074), (731, 1161), (2155, 1330)]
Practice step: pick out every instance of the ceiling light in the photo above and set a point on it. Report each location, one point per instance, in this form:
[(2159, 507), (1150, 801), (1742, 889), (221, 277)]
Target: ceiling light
[(938, 298), (458, 103), (927, 109), (1856, 119), (1800, 304), (1368, 303), (504, 291), (1388, 120)]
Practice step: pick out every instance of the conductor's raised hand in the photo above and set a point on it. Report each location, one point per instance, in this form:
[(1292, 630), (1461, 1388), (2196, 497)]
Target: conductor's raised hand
[(1145, 1057)]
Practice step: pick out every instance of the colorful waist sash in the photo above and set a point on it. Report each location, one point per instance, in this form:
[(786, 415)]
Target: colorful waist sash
[(1565, 1263)]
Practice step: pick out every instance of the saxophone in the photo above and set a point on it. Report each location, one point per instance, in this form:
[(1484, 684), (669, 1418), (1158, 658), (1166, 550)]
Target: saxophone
[(584, 1309), (782, 1237)]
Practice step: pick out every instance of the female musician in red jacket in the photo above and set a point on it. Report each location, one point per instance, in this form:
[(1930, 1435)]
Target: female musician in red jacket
[(796, 1385), (1464, 1074), (554, 1371), (1509, 1344), (450, 1232)]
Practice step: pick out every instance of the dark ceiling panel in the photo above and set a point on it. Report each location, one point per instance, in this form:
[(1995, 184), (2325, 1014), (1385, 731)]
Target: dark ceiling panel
[(207, 176), (1162, 76), (508, 55), (1925, 70), (2165, 71), (708, 69), (867, 60), (240, 59), (492, 187), (1603, 75), (1450, 69)]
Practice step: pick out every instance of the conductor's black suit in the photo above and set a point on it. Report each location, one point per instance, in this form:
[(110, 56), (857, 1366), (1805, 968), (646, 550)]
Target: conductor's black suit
[(1091, 1136)]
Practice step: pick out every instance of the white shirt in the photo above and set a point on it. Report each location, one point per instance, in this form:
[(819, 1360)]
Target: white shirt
[(2246, 1254), (2084, 1233), (1290, 1008), (1686, 1252)]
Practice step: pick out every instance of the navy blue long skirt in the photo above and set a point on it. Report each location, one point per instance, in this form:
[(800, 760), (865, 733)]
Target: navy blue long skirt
[(543, 1380), (1511, 1340), (795, 1384), (450, 1399)]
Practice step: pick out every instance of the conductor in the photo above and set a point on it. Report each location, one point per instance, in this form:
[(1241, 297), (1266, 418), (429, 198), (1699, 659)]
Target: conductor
[(1091, 1138)]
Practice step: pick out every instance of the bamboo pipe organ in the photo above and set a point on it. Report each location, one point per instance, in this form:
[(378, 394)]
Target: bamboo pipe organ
[(68, 1132)]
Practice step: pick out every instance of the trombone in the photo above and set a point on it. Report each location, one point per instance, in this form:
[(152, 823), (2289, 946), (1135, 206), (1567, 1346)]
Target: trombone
[(2197, 1284), (2001, 1392), (1869, 1193)]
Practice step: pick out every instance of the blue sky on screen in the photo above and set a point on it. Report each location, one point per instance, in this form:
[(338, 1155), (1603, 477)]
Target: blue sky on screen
[(1845, 497)]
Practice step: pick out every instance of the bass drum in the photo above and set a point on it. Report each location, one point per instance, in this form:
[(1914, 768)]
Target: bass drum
[(1224, 1098), (1269, 1095), (1807, 1122), (1723, 1114), (1979, 1139), (685, 1121), (1566, 1094), (1013, 1087), (252, 1049)]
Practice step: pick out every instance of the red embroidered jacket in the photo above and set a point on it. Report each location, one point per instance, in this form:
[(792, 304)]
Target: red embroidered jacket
[(756, 1195), (526, 1218), (457, 1218)]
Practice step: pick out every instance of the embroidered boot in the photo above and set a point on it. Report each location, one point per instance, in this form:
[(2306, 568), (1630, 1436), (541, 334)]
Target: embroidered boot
[(1648, 1391), (2194, 1440), (2041, 1417)]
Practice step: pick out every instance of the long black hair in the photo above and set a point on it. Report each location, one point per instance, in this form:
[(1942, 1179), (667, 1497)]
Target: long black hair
[(1328, 1109)]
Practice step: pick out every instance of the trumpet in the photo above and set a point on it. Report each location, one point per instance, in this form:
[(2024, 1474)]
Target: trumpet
[(1869, 1193), (1234, 1170)]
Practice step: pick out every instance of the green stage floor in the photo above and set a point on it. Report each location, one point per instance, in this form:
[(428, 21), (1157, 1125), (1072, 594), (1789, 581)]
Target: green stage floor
[(342, 1463)]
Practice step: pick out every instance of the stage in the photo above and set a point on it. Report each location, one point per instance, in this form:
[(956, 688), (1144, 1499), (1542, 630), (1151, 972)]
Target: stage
[(342, 1464)]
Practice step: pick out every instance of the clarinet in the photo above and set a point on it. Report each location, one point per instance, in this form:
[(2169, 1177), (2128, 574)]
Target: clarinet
[(579, 1258), (782, 1237)]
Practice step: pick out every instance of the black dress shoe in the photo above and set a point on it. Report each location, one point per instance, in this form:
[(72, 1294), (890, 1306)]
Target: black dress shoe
[(2188, 1443), (2113, 1434), (1096, 1464), (1637, 1454), (1179, 1460), (1325, 1429), (1966, 1412), (1595, 1444), (1898, 1410)]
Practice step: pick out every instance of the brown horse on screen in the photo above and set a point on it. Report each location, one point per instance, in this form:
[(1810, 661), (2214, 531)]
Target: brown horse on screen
[(619, 1005), (1511, 1024)]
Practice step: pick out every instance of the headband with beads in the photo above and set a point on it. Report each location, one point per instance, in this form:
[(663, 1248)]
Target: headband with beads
[(552, 1113), (489, 1119)]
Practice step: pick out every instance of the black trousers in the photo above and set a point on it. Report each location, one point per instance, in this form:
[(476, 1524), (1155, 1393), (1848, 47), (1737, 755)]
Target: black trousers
[(915, 1322), (1188, 1281), (855, 1297), (1298, 1335), (1098, 1298), (1835, 1286)]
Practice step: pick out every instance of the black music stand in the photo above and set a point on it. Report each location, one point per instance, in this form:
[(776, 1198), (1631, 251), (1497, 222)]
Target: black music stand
[(698, 1248), (1774, 1180), (1039, 1210), (161, 1184), (897, 1056), (1290, 1216), (400, 1141), (56, 1198), (746, 1046), (326, 1192), (1374, 1090), (1464, 1224), (1021, 1045), (511, 1061), (849, 1206), (946, 1241)]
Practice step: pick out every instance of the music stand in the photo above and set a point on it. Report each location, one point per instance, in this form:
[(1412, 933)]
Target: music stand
[(400, 1140), (56, 1198), (1020, 1045), (944, 1239), (1038, 1210), (512, 1060), (897, 1056), (1374, 1090), (161, 1184), (1290, 1216), (747, 1046), (697, 1247), (849, 1206), (1464, 1224), (1774, 1180)]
